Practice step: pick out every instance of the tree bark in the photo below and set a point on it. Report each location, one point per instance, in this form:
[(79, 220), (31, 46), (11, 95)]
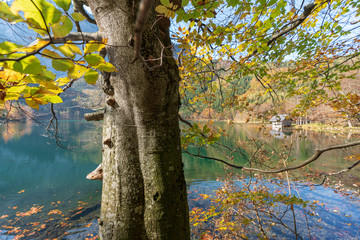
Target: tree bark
[(144, 190)]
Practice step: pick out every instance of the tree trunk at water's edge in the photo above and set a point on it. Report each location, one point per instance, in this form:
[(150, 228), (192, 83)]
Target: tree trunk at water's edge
[(144, 190)]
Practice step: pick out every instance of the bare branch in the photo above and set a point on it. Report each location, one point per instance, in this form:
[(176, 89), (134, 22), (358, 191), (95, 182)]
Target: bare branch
[(74, 36), (185, 121), (79, 7), (96, 116), (97, 174)]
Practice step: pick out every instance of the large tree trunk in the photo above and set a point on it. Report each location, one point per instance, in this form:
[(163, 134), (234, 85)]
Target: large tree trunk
[(144, 190)]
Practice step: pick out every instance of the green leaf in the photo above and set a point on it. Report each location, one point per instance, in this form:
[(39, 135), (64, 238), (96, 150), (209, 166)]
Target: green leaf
[(34, 25), (232, 3), (62, 64), (166, 3), (39, 11), (180, 15), (106, 67), (78, 16), (8, 47), (262, 2), (63, 27), (271, 2), (185, 3), (8, 15), (64, 4), (93, 46), (91, 76), (53, 98), (30, 65), (94, 59), (46, 75)]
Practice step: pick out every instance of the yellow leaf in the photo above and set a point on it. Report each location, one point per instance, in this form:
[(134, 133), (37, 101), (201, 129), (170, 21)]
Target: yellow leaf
[(32, 48), (161, 9), (50, 54), (9, 75), (62, 81), (76, 72), (31, 103), (93, 46), (75, 48)]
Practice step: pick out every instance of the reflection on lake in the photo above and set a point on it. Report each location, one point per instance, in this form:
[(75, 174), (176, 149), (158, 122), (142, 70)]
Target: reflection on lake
[(43, 186)]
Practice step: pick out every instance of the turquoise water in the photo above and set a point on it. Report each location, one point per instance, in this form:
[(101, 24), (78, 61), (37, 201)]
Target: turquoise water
[(43, 187)]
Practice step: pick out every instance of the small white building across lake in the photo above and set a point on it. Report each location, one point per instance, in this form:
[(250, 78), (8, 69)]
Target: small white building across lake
[(279, 121)]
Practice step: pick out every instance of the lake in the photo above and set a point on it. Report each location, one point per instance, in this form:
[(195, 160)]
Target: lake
[(44, 192)]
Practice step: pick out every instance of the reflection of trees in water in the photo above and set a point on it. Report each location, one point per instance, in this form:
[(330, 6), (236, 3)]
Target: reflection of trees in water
[(12, 130), (255, 142)]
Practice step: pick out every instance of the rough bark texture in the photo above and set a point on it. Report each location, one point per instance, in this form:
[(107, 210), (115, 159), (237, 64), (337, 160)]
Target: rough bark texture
[(144, 190)]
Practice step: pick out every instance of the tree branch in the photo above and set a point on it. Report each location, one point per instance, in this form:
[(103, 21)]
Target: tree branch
[(27, 54), (314, 157), (215, 159), (74, 36), (95, 116), (144, 8), (338, 172), (293, 24), (79, 7)]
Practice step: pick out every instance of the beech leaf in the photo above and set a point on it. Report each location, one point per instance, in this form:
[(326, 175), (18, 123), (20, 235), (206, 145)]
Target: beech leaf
[(62, 64), (106, 67), (93, 46), (30, 65), (63, 27), (78, 16), (94, 59), (64, 4), (39, 11), (91, 76)]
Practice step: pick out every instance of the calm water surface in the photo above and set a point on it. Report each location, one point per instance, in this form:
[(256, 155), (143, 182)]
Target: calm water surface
[(43, 186)]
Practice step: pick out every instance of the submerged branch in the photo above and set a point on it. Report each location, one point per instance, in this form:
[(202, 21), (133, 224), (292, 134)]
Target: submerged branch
[(338, 173), (314, 157)]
